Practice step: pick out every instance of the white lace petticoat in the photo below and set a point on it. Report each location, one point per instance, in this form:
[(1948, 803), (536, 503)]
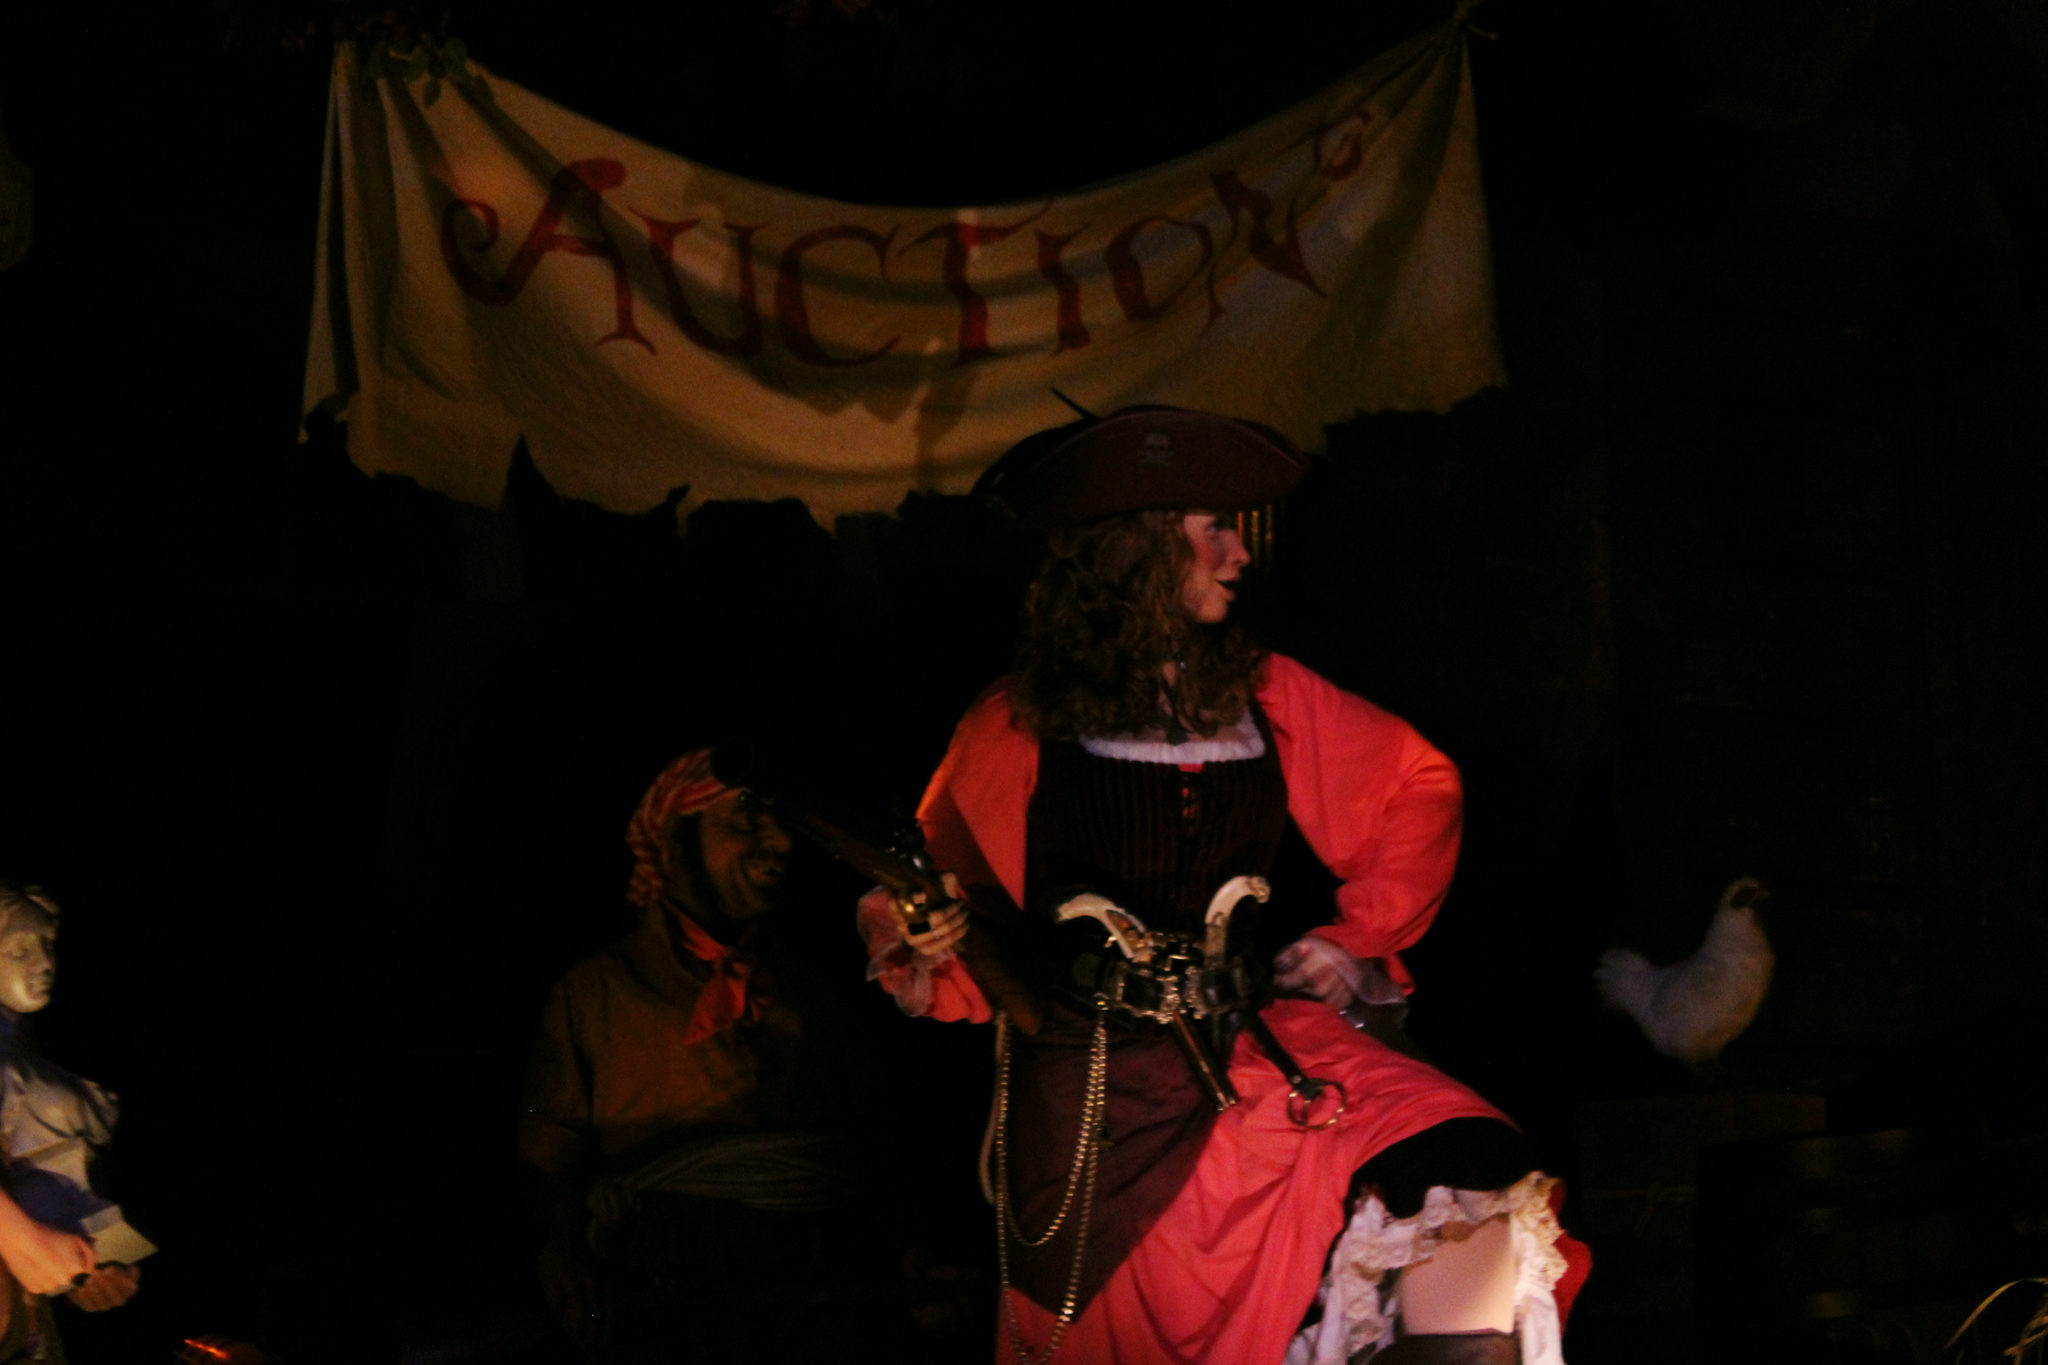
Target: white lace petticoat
[(1359, 1308)]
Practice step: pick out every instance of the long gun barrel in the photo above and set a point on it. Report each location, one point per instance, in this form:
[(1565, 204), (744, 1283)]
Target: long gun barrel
[(900, 863)]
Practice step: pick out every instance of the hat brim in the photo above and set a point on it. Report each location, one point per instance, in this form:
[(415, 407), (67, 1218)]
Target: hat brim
[(1143, 459)]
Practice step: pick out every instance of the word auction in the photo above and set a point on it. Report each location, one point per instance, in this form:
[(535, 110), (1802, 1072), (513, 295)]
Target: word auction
[(577, 193)]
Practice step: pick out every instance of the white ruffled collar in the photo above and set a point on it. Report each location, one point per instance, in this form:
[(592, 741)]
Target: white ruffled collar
[(1239, 741)]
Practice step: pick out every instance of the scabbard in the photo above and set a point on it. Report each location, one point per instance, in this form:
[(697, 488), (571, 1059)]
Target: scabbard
[(1215, 1080), (1268, 1044), (988, 961)]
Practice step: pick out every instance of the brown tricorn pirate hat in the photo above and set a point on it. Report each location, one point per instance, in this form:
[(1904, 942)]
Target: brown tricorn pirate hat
[(1141, 458)]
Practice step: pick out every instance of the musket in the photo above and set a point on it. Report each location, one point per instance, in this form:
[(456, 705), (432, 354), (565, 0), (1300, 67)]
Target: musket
[(903, 867)]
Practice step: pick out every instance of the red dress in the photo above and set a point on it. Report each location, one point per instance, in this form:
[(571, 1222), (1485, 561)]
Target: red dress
[(1226, 1271)]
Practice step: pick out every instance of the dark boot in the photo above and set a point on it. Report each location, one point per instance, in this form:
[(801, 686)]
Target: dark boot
[(1461, 1348)]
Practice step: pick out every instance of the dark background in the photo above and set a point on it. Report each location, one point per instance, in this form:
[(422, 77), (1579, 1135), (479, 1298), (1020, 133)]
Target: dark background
[(1741, 575)]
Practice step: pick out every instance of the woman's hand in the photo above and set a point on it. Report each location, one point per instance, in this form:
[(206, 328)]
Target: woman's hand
[(111, 1286), (44, 1260), (944, 927), (1315, 968)]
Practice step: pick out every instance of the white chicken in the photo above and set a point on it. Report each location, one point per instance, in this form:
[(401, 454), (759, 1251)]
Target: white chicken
[(1693, 1008)]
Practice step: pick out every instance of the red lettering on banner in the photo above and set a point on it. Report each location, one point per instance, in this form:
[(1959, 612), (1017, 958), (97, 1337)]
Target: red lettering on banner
[(1350, 152), (1128, 277), (1282, 257), (578, 185), (661, 240), (960, 239), (1073, 331), (793, 316)]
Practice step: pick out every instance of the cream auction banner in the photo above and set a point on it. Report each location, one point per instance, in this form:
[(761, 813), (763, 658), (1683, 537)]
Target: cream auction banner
[(493, 266)]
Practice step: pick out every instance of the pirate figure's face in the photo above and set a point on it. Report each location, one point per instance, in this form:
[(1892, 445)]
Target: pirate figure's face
[(729, 860)]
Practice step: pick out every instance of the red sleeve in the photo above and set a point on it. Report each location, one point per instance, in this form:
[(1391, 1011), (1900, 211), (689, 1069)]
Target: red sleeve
[(1378, 804), (973, 811), (973, 819)]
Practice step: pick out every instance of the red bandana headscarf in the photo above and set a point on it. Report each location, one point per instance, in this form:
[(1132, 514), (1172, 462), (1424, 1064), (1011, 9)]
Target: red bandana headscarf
[(735, 990)]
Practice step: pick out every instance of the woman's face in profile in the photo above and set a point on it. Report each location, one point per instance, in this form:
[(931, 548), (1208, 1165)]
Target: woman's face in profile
[(1219, 557), (28, 959)]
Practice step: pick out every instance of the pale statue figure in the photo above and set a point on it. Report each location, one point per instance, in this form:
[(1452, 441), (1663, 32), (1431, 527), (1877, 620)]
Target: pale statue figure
[(57, 1236)]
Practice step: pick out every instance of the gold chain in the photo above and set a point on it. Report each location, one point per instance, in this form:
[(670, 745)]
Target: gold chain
[(1080, 1179)]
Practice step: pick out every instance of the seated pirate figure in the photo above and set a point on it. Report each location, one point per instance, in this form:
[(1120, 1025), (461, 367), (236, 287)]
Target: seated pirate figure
[(57, 1234), (686, 1102)]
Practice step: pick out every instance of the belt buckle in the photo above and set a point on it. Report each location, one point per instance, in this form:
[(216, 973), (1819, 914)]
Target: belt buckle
[(1170, 1001)]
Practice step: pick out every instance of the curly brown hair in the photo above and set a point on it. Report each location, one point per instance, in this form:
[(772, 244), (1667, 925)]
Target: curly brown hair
[(1101, 622)]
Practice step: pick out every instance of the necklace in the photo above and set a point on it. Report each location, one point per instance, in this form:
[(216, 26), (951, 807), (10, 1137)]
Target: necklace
[(1176, 733)]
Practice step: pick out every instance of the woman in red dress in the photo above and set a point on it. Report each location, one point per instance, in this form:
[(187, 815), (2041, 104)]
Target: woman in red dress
[(1326, 1196)]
